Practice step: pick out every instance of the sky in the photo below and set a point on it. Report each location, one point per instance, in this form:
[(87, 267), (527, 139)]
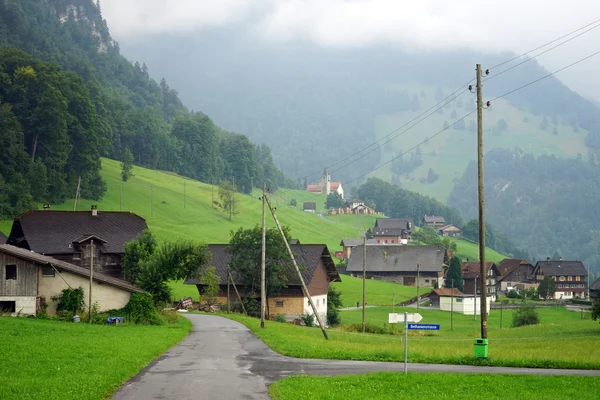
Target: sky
[(430, 25)]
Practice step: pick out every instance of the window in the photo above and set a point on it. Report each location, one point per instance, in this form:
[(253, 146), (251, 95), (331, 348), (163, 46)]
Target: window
[(393, 241), (317, 302), (459, 300), (562, 278), (76, 256), (48, 271), (8, 306), (378, 241), (569, 278), (577, 278), (385, 241), (279, 303), (426, 280), (11, 272)]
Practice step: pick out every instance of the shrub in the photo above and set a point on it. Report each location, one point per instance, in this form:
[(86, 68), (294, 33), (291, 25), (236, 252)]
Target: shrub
[(293, 203), (308, 319), (141, 310), (334, 302), (512, 294), (70, 300), (370, 328), (280, 318), (525, 315)]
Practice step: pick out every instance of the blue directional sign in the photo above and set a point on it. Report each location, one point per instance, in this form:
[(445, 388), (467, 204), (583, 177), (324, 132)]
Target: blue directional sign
[(424, 327)]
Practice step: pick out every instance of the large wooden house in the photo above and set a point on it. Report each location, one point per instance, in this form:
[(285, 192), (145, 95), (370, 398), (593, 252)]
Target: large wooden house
[(515, 273), (392, 230), (472, 278), (318, 270), (69, 236), (570, 277)]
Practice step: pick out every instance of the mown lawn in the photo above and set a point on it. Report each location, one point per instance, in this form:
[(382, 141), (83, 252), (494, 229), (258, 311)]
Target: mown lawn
[(392, 386), (43, 359), (561, 341), (378, 293)]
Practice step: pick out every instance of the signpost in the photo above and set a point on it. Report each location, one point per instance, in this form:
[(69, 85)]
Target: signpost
[(411, 321), (424, 327)]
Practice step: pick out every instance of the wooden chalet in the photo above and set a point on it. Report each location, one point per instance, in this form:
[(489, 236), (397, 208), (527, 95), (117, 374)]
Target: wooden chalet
[(68, 235), (472, 276), (318, 270), (570, 277)]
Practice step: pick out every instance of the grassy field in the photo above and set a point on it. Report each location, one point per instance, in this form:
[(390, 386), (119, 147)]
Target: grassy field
[(388, 385), (560, 341), (466, 249), (56, 360), (378, 293)]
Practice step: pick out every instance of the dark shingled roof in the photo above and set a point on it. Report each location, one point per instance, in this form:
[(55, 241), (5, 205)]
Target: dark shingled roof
[(307, 255), (595, 285), (394, 223), (388, 231), (64, 266), (508, 265), (356, 242), (434, 219), (398, 258), (470, 270), (2, 238), (558, 268), (53, 232)]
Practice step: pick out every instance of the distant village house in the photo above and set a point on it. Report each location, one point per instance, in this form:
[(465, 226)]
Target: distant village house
[(310, 206), (450, 231), (392, 230), (515, 273), (570, 277), (399, 264), (472, 278), (434, 221)]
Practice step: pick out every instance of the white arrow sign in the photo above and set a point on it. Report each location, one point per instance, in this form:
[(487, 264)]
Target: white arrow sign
[(413, 318)]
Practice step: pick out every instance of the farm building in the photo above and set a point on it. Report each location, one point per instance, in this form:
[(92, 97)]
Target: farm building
[(68, 235), (318, 271), (28, 279)]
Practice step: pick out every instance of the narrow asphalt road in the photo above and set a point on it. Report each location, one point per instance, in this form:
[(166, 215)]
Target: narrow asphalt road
[(222, 359)]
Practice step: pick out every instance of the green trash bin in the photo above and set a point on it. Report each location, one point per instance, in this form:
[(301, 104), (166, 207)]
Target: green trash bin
[(481, 348)]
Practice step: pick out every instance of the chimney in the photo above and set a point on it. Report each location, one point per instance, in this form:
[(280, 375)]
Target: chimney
[(46, 206), (560, 258), (95, 210), (547, 260)]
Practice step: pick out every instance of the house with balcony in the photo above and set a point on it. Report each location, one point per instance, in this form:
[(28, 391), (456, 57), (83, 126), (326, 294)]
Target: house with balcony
[(472, 278), (570, 277)]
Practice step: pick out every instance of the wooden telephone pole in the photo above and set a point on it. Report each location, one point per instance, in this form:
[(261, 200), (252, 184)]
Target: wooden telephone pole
[(482, 269), (418, 287), (364, 297), (263, 285), (304, 288), (91, 280)]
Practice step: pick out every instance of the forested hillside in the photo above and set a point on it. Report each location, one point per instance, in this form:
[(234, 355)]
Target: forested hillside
[(324, 104), (67, 97), (547, 204)]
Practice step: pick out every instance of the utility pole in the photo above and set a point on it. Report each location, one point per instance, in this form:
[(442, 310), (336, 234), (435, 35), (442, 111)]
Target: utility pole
[(364, 280), (121, 196), (228, 302), (91, 280), (232, 197), (77, 194), (304, 288), (452, 307), (263, 289), (475, 300), (212, 190), (184, 194), (481, 203), (151, 205), (418, 285)]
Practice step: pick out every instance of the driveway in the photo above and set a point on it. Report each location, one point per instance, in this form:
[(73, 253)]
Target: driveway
[(222, 359)]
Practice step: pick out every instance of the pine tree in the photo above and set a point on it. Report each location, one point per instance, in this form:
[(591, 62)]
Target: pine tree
[(454, 276)]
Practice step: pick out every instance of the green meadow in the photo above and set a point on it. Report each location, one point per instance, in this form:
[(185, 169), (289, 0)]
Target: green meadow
[(377, 293), (48, 360), (392, 386), (561, 340)]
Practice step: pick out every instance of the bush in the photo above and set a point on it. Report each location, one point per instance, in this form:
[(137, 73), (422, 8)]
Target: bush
[(293, 203), (512, 294), (308, 319), (70, 300), (370, 328), (280, 318), (141, 310), (525, 315)]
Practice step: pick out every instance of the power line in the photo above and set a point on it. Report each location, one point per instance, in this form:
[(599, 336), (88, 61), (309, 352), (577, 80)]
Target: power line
[(546, 44), (544, 52), (451, 96), (546, 76), (412, 148), (399, 134), (593, 25)]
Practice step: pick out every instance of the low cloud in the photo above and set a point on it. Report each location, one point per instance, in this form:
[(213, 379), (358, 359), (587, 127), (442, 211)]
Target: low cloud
[(427, 25)]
